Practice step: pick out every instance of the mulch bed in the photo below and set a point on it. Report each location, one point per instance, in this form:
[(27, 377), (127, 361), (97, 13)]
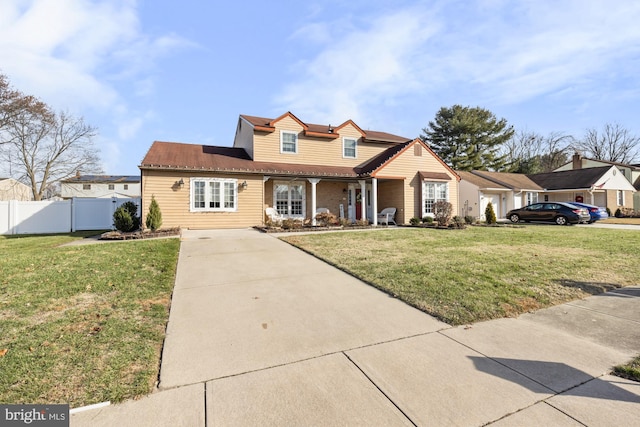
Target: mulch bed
[(139, 234)]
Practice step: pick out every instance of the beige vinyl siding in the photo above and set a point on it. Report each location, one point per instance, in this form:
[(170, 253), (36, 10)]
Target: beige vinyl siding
[(174, 201), (407, 165), (312, 151), (391, 195)]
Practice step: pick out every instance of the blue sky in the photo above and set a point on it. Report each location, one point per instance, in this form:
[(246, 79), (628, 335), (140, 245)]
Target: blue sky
[(183, 71)]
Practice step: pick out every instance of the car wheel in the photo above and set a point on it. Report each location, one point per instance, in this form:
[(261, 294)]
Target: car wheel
[(514, 218), (561, 220)]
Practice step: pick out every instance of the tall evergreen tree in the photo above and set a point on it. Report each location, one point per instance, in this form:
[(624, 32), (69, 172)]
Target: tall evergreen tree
[(468, 138)]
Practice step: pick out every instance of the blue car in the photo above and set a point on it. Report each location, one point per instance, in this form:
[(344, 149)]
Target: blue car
[(597, 213)]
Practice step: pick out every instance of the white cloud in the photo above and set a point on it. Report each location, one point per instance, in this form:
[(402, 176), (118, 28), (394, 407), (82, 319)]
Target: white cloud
[(493, 51), (364, 66), (67, 51)]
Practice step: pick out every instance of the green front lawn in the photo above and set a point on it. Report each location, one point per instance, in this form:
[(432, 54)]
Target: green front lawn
[(480, 273), (82, 324)]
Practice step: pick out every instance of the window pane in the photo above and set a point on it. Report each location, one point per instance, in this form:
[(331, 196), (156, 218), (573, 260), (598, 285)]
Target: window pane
[(198, 194), (229, 195), (429, 195), (214, 195), (282, 199), (289, 142), (349, 148), (296, 199)]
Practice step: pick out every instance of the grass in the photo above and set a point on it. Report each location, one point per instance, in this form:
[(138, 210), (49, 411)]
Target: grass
[(630, 371), (481, 273), (82, 324)]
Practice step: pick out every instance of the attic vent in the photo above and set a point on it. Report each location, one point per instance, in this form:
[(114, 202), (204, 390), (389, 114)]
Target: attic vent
[(417, 150)]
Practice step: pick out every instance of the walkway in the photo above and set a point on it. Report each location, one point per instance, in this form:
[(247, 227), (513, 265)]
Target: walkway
[(261, 333)]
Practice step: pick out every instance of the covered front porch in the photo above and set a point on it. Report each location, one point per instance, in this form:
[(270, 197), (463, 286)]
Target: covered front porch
[(353, 200)]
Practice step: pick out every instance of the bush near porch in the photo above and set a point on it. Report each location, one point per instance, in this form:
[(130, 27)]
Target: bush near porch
[(485, 272)]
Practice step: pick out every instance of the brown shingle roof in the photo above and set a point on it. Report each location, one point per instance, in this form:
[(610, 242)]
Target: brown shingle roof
[(193, 157), (266, 124), (478, 180), (571, 179), (514, 181)]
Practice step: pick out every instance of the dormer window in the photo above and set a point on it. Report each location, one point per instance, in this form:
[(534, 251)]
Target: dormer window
[(288, 142), (349, 148)]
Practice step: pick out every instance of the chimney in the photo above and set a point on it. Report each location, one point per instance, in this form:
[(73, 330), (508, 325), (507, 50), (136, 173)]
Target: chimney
[(577, 161)]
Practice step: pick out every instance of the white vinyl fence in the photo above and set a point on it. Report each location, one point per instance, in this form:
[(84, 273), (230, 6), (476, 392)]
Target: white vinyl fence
[(17, 217)]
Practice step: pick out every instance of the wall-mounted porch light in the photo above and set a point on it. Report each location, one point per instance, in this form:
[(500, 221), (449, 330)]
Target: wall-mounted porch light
[(244, 185), (180, 183)]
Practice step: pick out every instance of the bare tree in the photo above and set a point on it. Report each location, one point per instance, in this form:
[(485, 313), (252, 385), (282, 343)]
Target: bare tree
[(531, 152), (11, 101), (47, 146), (614, 143)]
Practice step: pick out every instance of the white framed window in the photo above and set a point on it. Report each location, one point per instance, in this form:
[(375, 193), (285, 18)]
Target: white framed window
[(213, 195), (112, 187), (86, 186), (532, 197), (433, 192), (620, 197), (349, 148), (288, 142), (126, 186), (289, 198)]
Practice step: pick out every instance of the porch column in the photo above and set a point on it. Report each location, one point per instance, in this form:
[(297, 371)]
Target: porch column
[(374, 200), (363, 196), (313, 182)]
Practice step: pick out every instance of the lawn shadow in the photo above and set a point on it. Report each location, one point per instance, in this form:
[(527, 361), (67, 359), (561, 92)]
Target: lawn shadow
[(593, 288), (576, 382)]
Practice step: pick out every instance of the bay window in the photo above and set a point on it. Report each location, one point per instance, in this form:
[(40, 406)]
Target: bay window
[(433, 192)]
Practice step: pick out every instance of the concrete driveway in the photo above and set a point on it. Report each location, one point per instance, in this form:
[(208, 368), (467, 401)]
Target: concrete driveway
[(261, 333)]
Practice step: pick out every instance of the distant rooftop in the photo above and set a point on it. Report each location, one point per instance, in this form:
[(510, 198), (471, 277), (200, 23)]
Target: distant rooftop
[(103, 179)]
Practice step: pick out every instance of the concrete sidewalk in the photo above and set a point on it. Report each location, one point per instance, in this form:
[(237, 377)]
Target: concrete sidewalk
[(261, 333)]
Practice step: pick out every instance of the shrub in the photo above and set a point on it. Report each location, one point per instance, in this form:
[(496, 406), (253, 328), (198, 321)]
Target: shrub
[(489, 214), (291, 224), (458, 221), (618, 213), (344, 222), (122, 220), (427, 219), (469, 219), (608, 211), (132, 209), (325, 219), (414, 221), (154, 217), (362, 222), (442, 212)]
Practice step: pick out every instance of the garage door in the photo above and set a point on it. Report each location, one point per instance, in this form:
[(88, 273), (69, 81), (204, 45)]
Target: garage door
[(494, 199)]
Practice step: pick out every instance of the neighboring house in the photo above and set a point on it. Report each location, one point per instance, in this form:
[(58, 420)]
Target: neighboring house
[(505, 191), (10, 189), (100, 186), (630, 172), (602, 186), (296, 168)]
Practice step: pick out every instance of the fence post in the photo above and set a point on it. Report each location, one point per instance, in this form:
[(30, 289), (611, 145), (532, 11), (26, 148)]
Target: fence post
[(73, 214), (13, 216)]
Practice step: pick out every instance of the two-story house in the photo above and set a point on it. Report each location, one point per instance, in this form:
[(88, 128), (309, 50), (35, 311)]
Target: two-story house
[(296, 168), (625, 198), (100, 186)]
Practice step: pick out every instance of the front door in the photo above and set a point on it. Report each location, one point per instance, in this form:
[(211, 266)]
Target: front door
[(358, 202)]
